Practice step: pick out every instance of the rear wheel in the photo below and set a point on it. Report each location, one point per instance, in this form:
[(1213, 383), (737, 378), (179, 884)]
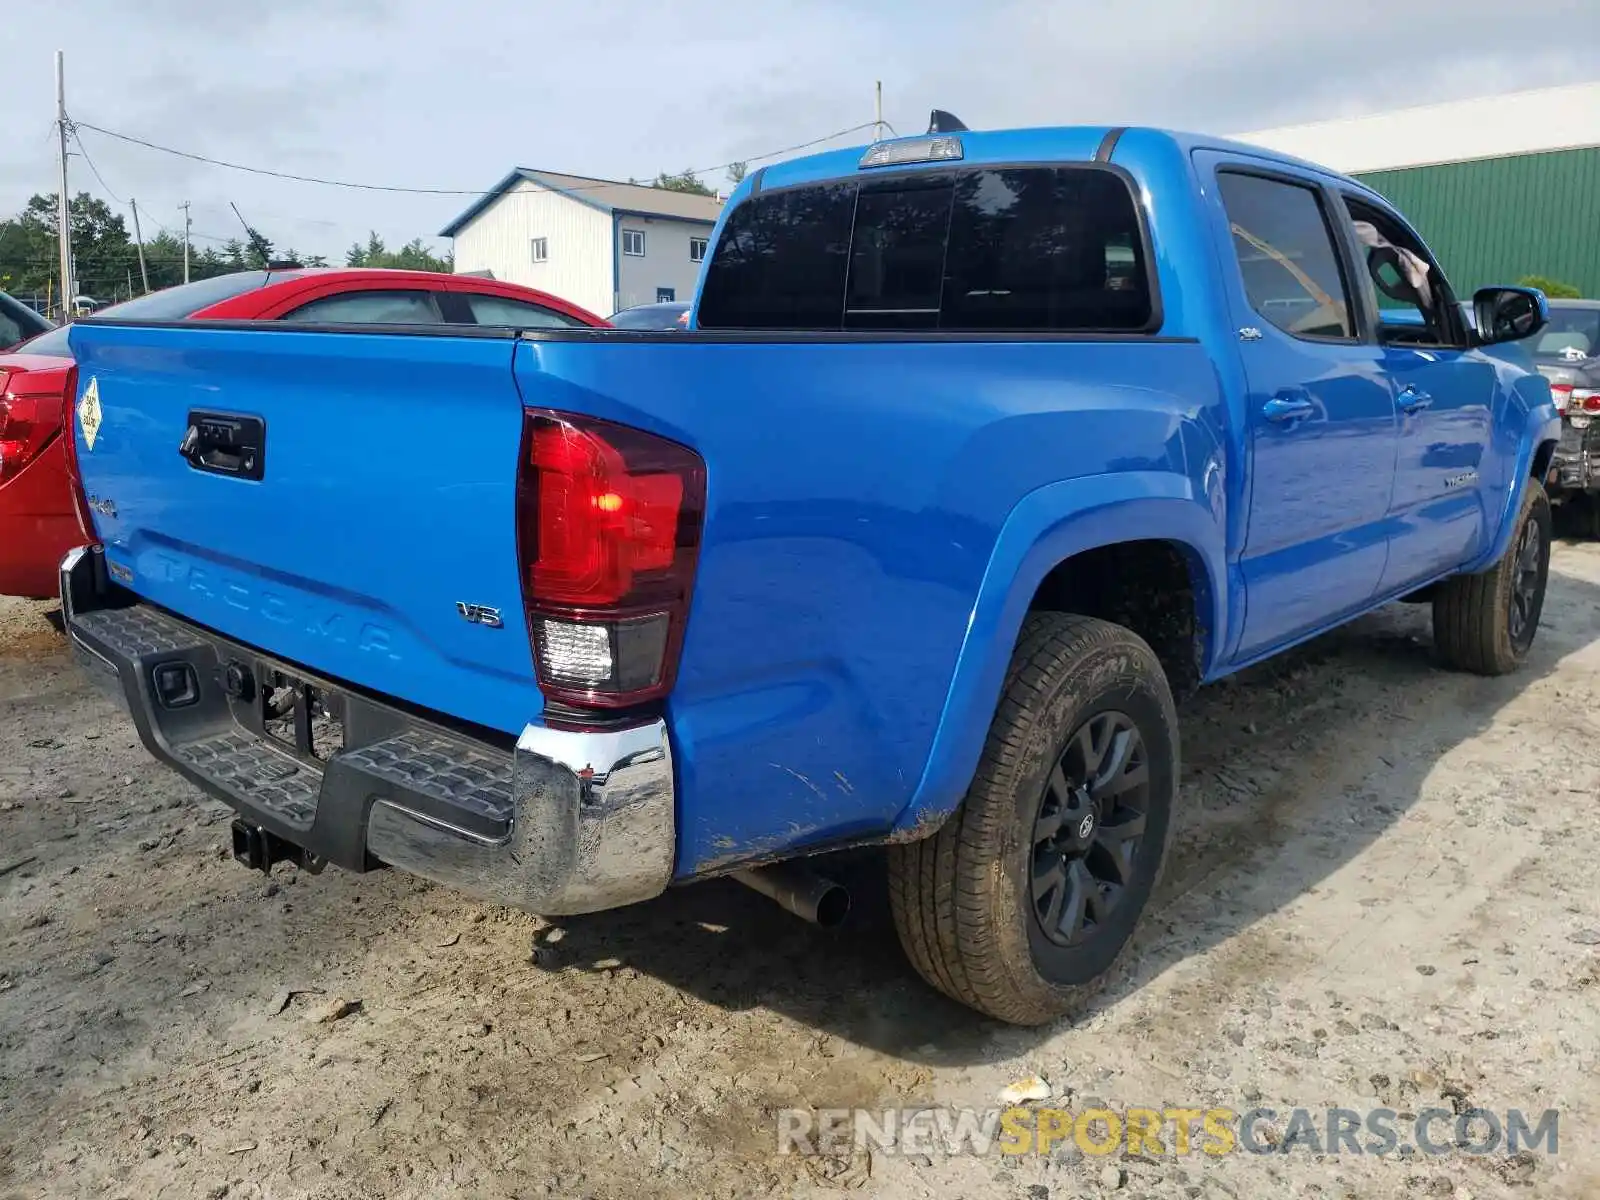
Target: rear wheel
[(1486, 623), (1022, 902)]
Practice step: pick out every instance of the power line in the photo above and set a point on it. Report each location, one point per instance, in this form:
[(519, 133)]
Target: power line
[(209, 237), (83, 150), (427, 191)]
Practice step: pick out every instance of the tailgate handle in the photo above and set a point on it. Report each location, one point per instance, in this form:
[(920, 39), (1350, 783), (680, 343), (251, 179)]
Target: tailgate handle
[(225, 444)]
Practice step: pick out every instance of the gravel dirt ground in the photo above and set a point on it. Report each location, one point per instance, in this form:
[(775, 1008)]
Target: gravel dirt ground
[(1383, 894)]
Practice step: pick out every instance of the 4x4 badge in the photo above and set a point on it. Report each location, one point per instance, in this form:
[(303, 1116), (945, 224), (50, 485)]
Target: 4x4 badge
[(89, 412)]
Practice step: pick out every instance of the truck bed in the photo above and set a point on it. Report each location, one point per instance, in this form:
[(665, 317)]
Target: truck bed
[(858, 488)]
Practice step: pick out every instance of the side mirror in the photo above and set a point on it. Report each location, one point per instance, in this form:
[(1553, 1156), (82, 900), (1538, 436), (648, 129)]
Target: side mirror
[(1508, 314)]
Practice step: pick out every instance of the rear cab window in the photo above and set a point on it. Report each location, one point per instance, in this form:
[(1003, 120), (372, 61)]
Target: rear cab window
[(1053, 249)]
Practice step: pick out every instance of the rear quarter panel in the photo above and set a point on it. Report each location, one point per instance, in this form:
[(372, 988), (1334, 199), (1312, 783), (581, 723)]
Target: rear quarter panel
[(876, 513)]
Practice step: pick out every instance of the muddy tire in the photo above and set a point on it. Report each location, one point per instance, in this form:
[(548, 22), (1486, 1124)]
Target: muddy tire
[(1020, 905), (1486, 623)]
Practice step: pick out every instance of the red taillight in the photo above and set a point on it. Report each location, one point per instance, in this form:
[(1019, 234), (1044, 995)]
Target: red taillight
[(28, 421), (1586, 398), (608, 531), (1561, 394)]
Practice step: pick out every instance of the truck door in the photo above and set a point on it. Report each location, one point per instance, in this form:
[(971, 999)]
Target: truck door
[(1443, 390), (1319, 411)]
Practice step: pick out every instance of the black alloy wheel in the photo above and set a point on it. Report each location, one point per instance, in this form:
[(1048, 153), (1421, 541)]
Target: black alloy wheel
[(1526, 586), (1090, 828)]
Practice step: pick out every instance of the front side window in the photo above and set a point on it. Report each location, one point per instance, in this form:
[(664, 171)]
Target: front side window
[(697, 249), (1406, 286), (1026, 249), (633, 243), (369, 308), (519, 314), (541, 250), (1286, 256)]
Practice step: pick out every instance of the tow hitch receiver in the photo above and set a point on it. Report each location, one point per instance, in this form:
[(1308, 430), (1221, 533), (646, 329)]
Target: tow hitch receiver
[(257, 849)]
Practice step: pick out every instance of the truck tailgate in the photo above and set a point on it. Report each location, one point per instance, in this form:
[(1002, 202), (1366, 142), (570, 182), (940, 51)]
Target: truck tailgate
[(340, 494)]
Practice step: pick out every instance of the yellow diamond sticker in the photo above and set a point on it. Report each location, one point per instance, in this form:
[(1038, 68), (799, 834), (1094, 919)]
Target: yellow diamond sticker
[(89, 412)]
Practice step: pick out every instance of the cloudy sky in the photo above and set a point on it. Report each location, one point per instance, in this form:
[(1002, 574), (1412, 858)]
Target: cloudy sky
[(452, 95)]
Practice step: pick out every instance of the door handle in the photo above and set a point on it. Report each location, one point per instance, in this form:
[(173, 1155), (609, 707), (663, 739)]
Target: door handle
[(1413, 400), (1280, 409)]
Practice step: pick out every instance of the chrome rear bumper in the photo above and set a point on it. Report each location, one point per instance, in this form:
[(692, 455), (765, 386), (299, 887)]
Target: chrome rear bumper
[(561, 822)]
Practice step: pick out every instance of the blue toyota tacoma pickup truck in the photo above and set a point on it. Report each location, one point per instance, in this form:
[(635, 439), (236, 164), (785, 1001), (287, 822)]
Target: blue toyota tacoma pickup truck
[(981, 448)]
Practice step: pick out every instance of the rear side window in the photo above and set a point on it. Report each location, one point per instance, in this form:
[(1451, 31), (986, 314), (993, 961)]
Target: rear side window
[(1047, 249), (369, 308), (1286, 256)]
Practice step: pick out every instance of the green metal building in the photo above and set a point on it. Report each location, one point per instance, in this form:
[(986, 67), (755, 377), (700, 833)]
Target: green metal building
[(1500, 188)]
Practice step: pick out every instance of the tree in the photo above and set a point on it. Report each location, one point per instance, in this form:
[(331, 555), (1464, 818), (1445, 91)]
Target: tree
[(1553, 288), (413, 256), (106, 261), (103, 254), (684, 181), (258, 247), (736, 172), (302, 260)]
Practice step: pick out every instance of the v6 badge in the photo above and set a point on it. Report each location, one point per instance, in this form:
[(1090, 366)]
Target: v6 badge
[(479, 614)]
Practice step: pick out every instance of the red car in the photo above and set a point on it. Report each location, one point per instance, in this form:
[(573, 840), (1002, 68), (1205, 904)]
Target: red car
[(39, 518)]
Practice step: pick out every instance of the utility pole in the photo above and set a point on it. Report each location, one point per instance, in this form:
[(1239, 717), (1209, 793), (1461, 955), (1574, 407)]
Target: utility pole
[(63, 209), (138, 239), (877, 115), (187, 223)]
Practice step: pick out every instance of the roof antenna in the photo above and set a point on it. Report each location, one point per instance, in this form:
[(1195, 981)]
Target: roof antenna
[(943, 122)]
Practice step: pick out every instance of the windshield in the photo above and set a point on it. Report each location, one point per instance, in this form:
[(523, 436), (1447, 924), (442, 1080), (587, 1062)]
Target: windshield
[(1573, 333)]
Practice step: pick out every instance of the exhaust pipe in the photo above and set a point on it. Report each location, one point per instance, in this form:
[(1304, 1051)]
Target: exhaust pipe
[(800, 890)]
